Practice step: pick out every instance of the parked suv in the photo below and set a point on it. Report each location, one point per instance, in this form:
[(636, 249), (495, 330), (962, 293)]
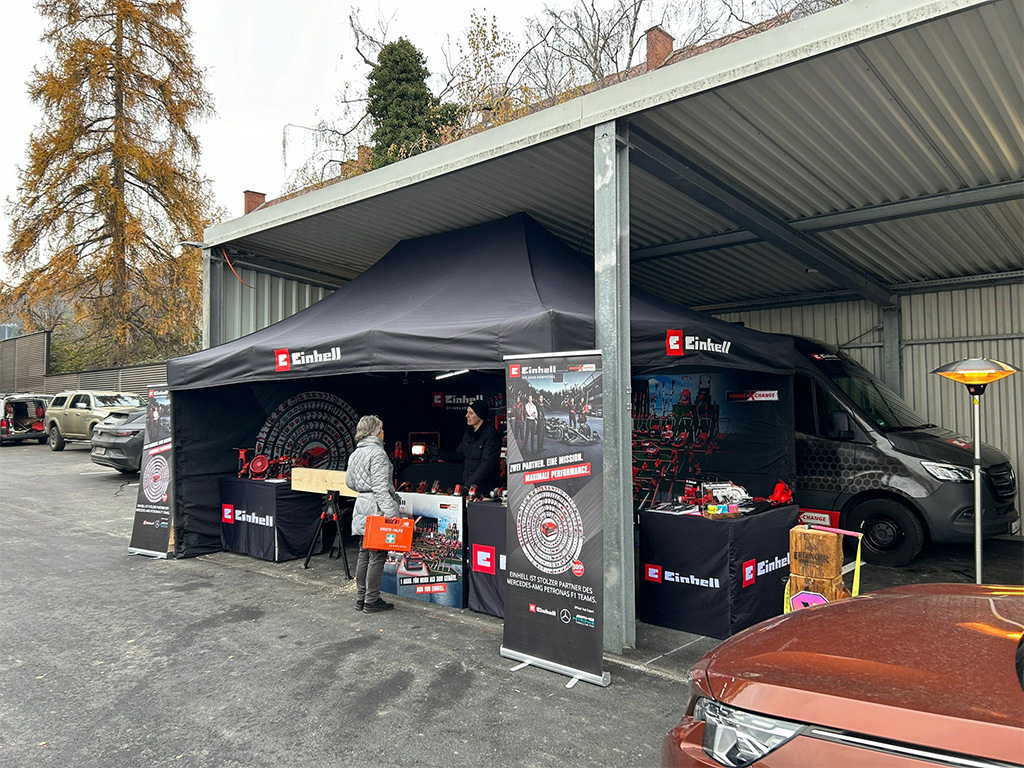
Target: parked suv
[(73, 415), (21, 418)]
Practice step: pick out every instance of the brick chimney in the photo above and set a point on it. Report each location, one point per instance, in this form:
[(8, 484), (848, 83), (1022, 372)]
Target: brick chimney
[(253, 200), (660, 45)]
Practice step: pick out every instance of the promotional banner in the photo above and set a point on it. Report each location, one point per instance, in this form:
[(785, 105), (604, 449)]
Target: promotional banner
[(434, 569), (152, 529), (734, 426), (554, 532)]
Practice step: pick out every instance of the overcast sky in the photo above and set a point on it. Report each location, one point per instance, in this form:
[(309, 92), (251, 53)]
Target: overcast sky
[(269, 63)]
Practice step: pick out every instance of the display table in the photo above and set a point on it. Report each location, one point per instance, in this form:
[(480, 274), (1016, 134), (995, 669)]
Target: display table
[(449, 473), (713, 577), (269, 520), (485, 529)]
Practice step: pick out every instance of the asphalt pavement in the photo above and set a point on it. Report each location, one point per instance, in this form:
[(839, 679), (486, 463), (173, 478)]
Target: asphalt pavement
[(108, 659)]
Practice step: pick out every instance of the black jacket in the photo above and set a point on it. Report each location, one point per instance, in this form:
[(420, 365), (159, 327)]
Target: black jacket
[(480, 452)]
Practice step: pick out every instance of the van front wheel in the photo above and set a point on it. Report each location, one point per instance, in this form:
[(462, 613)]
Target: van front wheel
[(893, 535)]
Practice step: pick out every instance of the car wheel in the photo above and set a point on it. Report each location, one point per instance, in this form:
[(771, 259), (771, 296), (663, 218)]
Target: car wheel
[(893, 534), (56, 441)]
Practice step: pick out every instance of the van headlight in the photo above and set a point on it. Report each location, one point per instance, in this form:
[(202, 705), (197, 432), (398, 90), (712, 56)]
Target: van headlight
[(735, 738), (951, 472)]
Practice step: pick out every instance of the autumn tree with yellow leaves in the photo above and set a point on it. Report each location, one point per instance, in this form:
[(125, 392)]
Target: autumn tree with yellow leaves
[(111, 185)]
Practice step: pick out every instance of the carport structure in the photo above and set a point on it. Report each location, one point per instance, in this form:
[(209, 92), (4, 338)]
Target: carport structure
[(865, 153)]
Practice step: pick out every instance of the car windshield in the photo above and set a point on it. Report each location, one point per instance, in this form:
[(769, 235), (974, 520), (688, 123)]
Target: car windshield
[(879, 403), (116, 401)]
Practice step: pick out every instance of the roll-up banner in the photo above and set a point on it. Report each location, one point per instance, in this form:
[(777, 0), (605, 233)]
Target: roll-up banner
[(152, 529), (554, 589)]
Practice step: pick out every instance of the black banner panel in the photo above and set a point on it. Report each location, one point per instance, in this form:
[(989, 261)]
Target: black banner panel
[(555, 524), (713, 577), (485, 527), (151, 532)]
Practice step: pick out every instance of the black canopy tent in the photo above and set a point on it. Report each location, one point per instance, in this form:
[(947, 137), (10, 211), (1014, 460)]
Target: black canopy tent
[(456, 300)]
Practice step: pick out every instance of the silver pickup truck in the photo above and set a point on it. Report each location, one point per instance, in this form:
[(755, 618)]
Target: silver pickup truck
[(73, 415)]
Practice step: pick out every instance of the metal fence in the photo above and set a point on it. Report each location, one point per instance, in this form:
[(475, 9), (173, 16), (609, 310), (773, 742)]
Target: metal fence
[(24, 361), (137, 379)]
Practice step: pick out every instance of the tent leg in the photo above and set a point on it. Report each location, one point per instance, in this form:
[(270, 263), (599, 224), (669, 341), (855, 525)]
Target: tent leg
[(611, 290)]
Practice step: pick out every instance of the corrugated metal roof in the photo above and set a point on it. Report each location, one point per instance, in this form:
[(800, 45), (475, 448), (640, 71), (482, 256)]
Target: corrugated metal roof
[(858, 106)]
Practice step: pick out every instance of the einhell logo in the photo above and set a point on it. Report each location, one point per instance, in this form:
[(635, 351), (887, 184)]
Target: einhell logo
[(516, 371), (285, 360), (244, 517), (674, 343), (661, 575), (227, 513), (437, 400), (754, 568), (483, 559), (697, 344)]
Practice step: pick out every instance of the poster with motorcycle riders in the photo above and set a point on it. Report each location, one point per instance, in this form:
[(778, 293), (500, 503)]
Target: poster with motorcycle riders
[(555, 525), (152, 529)]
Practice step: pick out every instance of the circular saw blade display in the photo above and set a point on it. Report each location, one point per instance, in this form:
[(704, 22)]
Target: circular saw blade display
[(317, 427), (155, 479), (550, 529)]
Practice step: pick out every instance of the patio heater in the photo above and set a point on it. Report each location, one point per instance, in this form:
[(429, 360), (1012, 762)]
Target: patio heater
[(976, 373)]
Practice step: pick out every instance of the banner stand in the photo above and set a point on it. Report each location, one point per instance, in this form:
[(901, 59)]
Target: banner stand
[(153, 528), (603, 680), (554, 527)]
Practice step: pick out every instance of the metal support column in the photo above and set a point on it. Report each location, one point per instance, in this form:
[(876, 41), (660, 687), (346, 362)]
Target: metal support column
[(611, 290), (892, 350), (213, 271)]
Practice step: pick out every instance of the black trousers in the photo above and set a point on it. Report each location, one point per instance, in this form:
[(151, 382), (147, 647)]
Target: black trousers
[(369, 569)]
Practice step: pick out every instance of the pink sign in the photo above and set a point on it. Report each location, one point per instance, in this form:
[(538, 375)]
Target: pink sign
[(806, 600)]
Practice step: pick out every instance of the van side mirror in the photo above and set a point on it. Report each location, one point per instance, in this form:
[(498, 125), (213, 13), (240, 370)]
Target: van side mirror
[(841, 426)]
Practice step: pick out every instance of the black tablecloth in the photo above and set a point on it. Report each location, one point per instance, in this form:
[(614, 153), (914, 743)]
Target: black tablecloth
[(270, 520), (485, 529), (713, 577)]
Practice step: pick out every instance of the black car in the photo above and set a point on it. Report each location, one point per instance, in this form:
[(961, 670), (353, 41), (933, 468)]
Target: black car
[(117, 440)]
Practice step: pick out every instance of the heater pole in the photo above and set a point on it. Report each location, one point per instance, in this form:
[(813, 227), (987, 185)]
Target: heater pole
[(977, 489)]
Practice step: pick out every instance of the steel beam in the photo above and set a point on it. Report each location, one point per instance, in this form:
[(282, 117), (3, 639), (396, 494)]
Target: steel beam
[(213, 322), (892, 350), (874, 214), (611, 303), (667, 165)]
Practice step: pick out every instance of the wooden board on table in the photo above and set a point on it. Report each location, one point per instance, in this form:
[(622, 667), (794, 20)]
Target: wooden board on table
[(320, 481)]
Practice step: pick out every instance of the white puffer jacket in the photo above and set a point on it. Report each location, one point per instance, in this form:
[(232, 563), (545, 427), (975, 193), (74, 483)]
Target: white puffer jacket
[(371, 475)]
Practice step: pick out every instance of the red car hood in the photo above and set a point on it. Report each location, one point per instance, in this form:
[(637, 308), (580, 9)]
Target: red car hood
[(931, 665)]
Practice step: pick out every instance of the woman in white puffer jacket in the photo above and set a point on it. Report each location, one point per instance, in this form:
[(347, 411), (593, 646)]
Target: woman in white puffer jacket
[(371, 474)]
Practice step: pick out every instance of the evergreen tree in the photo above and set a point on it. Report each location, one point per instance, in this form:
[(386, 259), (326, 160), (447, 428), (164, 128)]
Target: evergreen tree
[(111, 184), (406, 116)]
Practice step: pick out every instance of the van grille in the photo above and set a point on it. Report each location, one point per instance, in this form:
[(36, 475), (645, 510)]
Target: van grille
[(1002, 482)]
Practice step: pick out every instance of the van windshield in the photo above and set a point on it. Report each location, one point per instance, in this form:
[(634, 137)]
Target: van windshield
[(884, 407)]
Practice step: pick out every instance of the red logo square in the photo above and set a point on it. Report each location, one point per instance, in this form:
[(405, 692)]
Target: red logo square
[(483, 559), (674, 343), (282, 360), (533, 607), (652, 573), (513, 371), (749, 572), (227, 513), (437, 400)]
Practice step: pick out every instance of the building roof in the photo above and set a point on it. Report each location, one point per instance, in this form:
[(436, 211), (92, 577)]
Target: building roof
[(886, 135)]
